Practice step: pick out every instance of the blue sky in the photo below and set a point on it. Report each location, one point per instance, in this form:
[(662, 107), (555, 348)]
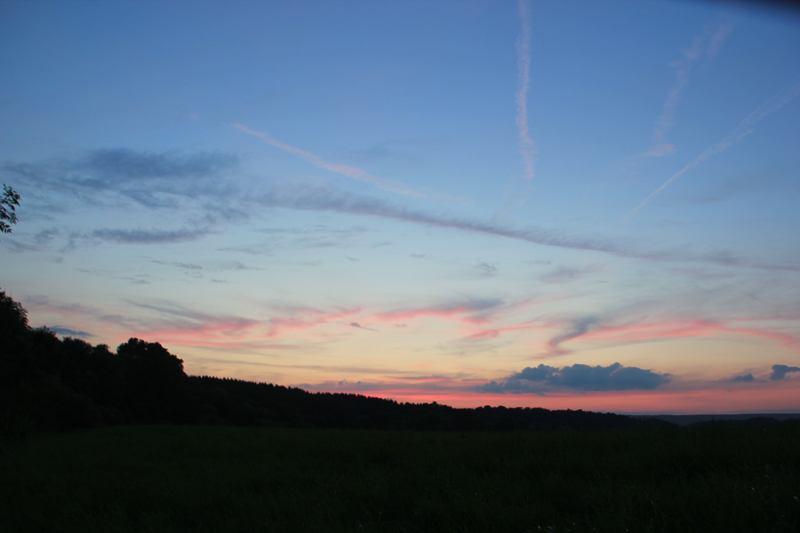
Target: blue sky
[(560, 204)]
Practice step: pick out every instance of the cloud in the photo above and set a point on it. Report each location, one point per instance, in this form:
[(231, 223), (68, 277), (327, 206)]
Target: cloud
[(563, 275), (215, 195), (607, 329), (324, 198), (747, 378), (237, 265), (338, 168), (779, 371), (487, 269), (171, 324), (644, 331), (112, 166), (187, 266), (705, 46), (321, 198), (469, 311), (735, 136), (67, 332), (527, 146), (179, 325), (156, 180), (140, 236), (315, 237), (578, 328), (614, 377), (493, 333), (142, 176), (302, 318), (359, 326)]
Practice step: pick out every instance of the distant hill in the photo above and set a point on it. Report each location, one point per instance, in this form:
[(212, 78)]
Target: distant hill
[(690, 420)]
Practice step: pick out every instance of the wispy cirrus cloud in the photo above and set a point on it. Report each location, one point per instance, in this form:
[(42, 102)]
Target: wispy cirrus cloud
[(149, 178), (705, 46), (527, 147), (595, 329), (178, 264), (338, 168), (566, 275), (745, 128), (165, 322), (324, 198), (304, 318), (468, 311), (578, 328), (112, 177), (175, 324), (492, 333), (141, 236)]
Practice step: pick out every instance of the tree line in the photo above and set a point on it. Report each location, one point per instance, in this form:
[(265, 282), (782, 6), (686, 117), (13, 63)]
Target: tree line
[(52, 384)]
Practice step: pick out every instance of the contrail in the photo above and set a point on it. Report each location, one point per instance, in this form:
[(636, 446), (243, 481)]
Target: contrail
[(344, 170), (736, 135), (527, 146), (691, 58)]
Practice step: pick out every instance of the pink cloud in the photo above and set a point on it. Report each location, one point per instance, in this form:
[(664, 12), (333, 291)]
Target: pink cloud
[(308, 318), (678, 329), (454, 313), (210, 332), (496, 332)]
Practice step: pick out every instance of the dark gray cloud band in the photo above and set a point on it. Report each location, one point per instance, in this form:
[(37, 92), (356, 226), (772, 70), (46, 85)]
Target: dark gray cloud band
[(159, 180), (615, 377), (779, 371), (149, 237)]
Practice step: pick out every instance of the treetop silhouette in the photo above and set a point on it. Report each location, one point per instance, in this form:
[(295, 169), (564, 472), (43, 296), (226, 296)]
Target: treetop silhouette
[(8, 204)]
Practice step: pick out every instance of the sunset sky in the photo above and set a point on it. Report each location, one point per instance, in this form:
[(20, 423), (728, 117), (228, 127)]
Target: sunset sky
[(579, 204)]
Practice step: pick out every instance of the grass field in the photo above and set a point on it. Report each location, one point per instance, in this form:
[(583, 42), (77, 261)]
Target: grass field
[(170, 478)]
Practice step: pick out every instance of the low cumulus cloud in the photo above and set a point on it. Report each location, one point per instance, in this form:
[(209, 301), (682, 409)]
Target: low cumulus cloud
[(542, 378), (747, 378), (779, 371)]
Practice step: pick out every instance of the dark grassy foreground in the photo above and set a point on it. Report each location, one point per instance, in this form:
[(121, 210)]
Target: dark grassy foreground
[(167, 478)]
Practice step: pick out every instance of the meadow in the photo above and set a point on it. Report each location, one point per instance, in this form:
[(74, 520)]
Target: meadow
[(203, 478)]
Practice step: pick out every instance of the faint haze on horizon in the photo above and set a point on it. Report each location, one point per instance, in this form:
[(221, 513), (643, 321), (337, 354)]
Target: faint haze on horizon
[(584, 205)]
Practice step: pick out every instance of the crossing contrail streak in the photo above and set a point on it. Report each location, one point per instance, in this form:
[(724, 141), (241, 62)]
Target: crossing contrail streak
[(527, 146), (735, 136), (344, 170)]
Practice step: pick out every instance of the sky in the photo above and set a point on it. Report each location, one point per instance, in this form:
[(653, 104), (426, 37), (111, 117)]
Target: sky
[(579, 204)]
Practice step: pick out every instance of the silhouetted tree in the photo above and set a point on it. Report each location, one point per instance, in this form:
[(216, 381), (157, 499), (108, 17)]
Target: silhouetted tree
[(8, 203), (13, 324), (155, 379)]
